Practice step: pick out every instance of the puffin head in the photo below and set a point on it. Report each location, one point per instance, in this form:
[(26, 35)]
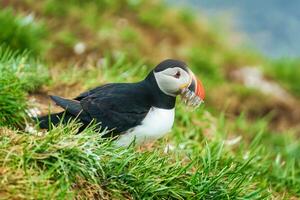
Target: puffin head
[(174, 78)]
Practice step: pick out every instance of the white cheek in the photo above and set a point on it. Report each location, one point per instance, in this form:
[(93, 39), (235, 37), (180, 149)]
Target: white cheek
[(167, 84), (170, 85)]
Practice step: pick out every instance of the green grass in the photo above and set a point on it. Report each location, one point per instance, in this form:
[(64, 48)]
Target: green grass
[(65, 159), (286, 72), (215, 152), (19, 74), (21, 33), (62, 164)]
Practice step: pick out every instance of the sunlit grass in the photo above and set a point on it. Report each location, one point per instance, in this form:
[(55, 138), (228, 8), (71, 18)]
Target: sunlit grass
[(68, 164), (19, 74), (62, 159)]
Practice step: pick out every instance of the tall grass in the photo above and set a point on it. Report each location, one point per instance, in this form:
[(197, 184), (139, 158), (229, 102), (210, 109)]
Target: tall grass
[(19, 74), (63, 164), (69, 165)]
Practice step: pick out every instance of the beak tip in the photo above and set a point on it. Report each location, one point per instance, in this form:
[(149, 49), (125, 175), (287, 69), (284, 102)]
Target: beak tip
[(200, 92)]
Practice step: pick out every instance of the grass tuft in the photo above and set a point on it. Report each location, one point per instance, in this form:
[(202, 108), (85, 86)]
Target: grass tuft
[(19, 74)]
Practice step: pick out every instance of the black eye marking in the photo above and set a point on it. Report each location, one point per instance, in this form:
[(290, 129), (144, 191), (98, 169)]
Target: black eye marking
[(177, 75)]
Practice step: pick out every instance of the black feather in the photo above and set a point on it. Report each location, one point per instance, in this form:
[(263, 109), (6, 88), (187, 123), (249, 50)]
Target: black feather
[(71, 106)]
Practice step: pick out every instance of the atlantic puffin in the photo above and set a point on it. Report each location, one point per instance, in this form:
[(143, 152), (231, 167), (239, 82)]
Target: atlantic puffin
[(141, 112)]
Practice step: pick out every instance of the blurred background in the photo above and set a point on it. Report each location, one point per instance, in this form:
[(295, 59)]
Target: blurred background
[(270, 26), (245, 52)]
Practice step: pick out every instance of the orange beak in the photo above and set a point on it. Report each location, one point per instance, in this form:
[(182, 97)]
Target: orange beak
[(197, 87), (200, 92)]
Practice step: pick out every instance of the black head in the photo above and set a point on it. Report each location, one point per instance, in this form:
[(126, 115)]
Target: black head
[(170, 63), (173, 77)]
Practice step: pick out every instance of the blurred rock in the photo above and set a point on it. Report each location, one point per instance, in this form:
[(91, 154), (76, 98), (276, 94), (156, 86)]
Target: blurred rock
[(28, 19), (253, 77), (30, 129), (122, 22), (79, 48), (233, 141), (168, 148), (33, 112), (273, 101)]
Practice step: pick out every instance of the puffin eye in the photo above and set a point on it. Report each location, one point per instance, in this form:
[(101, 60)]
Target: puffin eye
[(177, 75)]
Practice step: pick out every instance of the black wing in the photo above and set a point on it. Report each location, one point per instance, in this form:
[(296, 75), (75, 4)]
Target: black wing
[(117, 106)]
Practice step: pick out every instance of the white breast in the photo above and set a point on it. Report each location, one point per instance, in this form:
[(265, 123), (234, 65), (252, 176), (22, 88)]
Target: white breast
[(156, 124)]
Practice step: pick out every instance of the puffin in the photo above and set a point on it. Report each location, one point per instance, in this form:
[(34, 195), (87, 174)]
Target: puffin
[(132, 112)]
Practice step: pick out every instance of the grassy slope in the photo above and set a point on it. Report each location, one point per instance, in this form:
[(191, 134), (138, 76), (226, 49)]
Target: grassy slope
[(211, 154)]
